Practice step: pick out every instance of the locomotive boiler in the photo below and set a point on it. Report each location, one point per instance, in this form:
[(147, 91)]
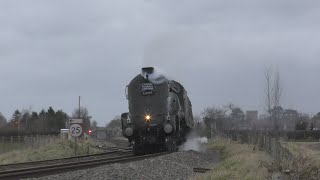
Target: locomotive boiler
[(160, 113)]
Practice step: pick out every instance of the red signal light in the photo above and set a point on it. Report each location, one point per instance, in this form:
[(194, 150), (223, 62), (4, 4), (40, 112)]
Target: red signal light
[(89, 131)]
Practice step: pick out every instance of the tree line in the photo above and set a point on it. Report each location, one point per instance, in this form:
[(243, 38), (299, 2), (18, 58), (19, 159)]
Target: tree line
[(218, 119), (48, 121), (275, 116)]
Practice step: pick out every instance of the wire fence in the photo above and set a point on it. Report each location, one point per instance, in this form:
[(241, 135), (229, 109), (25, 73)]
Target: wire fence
[(263, 141), (8, 144)]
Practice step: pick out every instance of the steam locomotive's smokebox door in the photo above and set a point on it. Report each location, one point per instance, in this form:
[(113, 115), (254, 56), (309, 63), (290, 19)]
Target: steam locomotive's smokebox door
[(147, 70)]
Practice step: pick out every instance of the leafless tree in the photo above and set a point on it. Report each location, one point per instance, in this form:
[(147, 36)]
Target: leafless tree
[(83, 114), (267, 75), (94, 124), (273, 89), (276, 90), (197, 118)]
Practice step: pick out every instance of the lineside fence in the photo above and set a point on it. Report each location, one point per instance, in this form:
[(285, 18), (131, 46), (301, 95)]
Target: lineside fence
[(285, 166), (8, 144), (261, 140)]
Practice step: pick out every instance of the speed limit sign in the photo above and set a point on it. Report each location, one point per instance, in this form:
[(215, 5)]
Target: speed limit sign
[(75, 130)]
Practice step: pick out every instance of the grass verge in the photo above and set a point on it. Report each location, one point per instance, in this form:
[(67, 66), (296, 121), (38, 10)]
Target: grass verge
[(59, 149), (238, 161), (304, 149)]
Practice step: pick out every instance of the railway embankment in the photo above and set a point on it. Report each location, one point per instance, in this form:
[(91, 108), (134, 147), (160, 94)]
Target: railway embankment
[(257, 155), (237, 161)]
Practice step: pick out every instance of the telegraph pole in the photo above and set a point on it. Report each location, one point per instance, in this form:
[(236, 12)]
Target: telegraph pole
[(79, 107), (75, 138), (211, 128)]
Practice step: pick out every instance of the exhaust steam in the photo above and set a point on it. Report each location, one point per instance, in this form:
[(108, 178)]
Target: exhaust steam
[(153, 75), (194, 142)]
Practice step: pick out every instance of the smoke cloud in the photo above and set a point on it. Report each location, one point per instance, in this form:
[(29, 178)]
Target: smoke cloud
[(156, 77), (194, 142)]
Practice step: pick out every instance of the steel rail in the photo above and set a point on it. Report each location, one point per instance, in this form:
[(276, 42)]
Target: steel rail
[(52, 161), (65, 167)]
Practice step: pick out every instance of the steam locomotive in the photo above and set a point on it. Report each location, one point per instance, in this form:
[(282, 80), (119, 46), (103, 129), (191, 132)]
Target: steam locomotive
[(160, 113)]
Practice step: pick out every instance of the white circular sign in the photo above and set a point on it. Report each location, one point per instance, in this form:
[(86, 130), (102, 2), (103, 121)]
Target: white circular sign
[(75, 130)]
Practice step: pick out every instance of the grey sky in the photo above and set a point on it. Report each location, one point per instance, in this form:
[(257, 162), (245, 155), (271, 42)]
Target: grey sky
[(53, 51)]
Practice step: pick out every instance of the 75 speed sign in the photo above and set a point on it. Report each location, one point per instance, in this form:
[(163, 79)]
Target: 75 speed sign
[(75, 130)]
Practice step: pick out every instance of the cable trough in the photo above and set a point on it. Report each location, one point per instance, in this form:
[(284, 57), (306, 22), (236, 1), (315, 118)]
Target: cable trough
[(57, 168), (201, 170)]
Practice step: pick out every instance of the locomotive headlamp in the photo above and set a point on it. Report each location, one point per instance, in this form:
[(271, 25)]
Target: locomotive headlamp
[(147, 118)]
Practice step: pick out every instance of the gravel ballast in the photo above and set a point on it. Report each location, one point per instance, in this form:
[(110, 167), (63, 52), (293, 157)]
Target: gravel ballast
[(177, 165)]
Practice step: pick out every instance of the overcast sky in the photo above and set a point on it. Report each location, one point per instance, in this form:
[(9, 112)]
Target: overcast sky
[(53, 51)]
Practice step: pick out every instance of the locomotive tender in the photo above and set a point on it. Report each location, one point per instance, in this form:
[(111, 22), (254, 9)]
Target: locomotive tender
[(160, 113)]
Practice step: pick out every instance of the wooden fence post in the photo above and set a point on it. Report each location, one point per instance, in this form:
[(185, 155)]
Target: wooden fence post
[(32, 137)]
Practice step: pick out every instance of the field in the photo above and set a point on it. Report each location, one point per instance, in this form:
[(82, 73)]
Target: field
[(58, 149), (238, 161)]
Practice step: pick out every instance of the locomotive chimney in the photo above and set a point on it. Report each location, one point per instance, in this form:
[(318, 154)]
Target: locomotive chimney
[(147, 70)]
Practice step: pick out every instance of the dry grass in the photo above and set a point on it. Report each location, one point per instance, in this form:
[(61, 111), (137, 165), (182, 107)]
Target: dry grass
[(238, 161), (304, 149), (59, 149), (296, 168)]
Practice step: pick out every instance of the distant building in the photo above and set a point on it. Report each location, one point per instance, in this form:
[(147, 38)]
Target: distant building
[(100, 133), (290, 117), (64, 134), (251, 116)]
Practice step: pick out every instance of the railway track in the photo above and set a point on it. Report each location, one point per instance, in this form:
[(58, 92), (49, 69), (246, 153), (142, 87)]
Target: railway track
[(50, 168), (116, 145), (62, 160)]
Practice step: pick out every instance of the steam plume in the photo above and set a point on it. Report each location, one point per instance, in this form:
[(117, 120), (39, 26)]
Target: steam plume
[(194, 142), (155, 77)]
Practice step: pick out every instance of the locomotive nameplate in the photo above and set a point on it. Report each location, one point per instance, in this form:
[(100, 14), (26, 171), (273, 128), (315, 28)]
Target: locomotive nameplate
[(147, 89)]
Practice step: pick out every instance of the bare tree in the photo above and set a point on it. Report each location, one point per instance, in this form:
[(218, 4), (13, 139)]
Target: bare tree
[(114, 123), (215, 119), (267, 75), (94, 124), (273, 89), (83, 114), (277, 90), (197, 118)]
